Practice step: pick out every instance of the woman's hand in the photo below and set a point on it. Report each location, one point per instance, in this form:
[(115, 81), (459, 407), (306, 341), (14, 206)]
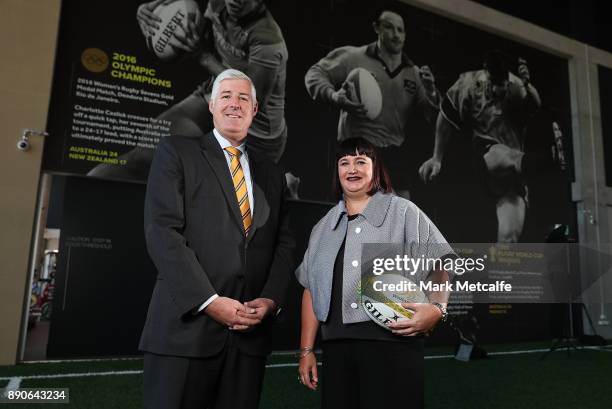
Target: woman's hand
[(147, 20), (425, 317), (189, 39), (308, 371)]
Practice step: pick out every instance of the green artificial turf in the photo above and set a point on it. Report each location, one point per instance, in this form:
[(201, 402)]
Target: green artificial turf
[(582, 381)]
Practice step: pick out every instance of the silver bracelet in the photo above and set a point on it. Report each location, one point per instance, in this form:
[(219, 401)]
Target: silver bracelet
[(304, 352), (442, 310)]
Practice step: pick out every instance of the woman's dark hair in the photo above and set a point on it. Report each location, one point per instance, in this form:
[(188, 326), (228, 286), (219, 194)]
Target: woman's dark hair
[(381, 182)]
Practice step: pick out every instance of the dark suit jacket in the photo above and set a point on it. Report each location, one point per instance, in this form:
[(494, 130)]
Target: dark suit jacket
[(195, 238)]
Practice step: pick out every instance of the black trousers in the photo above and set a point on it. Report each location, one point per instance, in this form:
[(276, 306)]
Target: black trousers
[(228, 380), (363, 374)]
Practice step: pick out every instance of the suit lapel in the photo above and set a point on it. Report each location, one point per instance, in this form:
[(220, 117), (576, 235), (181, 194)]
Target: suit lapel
[(216, 158), (259, 175)]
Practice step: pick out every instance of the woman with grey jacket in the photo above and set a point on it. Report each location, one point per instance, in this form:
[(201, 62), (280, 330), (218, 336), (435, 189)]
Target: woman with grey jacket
[(364, 365)]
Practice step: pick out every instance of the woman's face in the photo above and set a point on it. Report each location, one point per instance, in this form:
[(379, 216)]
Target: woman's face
[(355, 173)]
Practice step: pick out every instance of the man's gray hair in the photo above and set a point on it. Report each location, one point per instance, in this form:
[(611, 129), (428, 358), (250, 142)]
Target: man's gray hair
[(231, 74)]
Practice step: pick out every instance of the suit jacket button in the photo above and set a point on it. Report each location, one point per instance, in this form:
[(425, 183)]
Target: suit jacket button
[(354, 305)]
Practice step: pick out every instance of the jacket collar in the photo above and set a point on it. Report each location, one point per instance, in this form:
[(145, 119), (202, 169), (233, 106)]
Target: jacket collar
[(224, 143), (375, 211), (216, 158), (211, 149)]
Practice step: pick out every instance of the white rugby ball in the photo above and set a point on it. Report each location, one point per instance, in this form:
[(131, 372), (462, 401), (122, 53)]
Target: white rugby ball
[(367, 91), (383, 305), (173, 17)]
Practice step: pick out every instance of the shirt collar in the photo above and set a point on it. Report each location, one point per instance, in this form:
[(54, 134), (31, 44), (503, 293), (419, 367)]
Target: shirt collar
[(224, 143), (372, 51), (375, 211)]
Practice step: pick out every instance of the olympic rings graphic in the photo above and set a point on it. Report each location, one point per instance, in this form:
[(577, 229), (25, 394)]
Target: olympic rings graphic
[(94, 60)]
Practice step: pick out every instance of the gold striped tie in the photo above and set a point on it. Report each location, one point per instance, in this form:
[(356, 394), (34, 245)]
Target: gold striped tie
[(240, 187)]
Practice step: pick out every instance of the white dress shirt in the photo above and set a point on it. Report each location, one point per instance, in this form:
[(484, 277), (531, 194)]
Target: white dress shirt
[(244, 162)]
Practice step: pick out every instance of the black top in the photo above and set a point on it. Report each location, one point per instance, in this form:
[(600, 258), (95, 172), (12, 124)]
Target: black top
[(333, 328)]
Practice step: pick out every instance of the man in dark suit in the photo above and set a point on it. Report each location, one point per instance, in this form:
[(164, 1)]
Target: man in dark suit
[(216, 228)]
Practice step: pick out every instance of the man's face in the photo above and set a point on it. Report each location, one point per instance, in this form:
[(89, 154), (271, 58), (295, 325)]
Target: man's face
[(390, 31), (240, 8), (233, 109)]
